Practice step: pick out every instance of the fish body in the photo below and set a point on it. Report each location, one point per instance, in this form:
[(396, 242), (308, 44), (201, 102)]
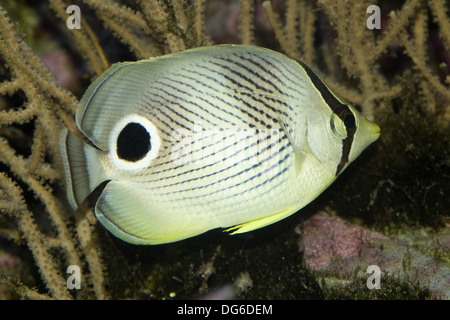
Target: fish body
[(227, 136)]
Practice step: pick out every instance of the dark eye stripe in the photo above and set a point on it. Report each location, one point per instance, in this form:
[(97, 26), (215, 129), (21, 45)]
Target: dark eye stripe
[(338, 108), (346, 147)]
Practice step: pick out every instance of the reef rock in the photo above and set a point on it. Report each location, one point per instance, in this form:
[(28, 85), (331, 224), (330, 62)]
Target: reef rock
[(338, 253)]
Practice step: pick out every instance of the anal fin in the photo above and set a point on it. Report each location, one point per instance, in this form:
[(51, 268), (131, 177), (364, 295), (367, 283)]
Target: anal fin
[(260, 223)]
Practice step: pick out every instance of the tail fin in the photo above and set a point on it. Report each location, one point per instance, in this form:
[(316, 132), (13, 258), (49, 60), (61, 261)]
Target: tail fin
[(79, 181)]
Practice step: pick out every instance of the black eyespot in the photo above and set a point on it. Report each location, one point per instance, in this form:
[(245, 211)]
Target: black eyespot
[(349, 121), (133, 142)]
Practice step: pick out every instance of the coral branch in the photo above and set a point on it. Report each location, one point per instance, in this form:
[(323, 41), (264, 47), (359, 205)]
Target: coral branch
[(363, 66), (285, 45), (439, 10), (246, 26), (399, 21), (84, 40), (422, 67)]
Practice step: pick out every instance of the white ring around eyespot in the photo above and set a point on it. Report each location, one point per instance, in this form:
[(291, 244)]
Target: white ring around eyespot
[(155, 141)]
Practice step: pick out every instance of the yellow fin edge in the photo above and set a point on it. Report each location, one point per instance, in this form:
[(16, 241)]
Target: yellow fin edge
[(260, 223)]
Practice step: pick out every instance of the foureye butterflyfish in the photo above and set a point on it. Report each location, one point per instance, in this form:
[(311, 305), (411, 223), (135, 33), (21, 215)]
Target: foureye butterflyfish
[(226, 136)]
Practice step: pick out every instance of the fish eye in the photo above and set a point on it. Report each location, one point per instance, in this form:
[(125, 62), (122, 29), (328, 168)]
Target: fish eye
[(349, 121), (343, 122), (133, 142)]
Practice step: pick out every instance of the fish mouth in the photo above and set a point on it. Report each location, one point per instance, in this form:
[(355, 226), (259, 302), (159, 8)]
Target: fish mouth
[(376, 131), (371, 130), (367, 134)]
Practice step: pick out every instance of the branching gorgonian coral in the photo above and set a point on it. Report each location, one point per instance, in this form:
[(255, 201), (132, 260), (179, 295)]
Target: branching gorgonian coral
[(331, 36)]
